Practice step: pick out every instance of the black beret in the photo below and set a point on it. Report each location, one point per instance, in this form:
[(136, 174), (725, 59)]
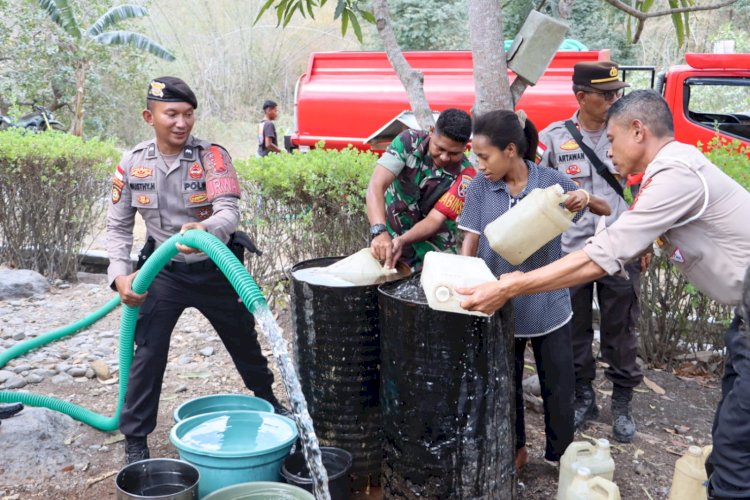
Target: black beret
[(171, 89), (602, 75)]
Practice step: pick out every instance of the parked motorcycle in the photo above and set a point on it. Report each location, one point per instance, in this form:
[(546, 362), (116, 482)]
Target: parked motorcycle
[(38, 121)]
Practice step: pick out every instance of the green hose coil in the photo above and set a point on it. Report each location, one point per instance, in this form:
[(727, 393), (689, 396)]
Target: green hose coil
[(217, 251)]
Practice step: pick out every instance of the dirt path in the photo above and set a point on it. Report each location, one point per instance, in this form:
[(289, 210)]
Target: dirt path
[(668, 423)]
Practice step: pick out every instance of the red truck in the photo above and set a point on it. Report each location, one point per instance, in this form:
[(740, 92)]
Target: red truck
[(347, 97)]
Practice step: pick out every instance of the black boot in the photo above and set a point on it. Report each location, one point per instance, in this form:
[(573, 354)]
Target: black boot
[(585, 404), (623, 425), (8, 410), (136, 449)]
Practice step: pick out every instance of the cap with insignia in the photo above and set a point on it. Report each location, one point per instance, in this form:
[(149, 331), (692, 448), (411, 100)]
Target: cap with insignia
[(171, 89), (602, 75)]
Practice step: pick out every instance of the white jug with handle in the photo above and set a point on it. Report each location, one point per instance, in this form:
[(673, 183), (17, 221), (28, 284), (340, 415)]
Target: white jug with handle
[(442, 273), (528, 226), (360, 268), (597, 458), (588, 487)]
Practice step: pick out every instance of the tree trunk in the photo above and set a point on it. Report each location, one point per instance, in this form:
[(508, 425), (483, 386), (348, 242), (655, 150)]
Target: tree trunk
[(413, 80), (491, 86), (76, 128)]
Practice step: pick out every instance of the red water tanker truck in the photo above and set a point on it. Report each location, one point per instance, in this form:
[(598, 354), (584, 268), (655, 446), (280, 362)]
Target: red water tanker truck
[(351, 97)]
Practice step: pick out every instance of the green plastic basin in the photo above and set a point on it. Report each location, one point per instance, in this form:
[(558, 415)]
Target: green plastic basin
[(234, 447), (220, 402), (260, 491)]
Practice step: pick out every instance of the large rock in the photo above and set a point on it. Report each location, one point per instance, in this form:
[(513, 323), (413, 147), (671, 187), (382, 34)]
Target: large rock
[(33, 444), (19, 283)]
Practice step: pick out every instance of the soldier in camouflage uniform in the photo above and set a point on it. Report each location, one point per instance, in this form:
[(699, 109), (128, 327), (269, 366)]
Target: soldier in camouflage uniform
[(412, 175)]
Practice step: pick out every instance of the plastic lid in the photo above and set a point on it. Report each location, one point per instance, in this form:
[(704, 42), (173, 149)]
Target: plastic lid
[(442, 293), (695, 450), (602, 443)]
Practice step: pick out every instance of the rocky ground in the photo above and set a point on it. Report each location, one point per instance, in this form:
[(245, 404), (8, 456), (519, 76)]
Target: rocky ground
[(47, 455)]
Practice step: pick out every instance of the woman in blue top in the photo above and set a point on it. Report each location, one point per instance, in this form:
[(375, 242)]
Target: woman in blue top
[(505, 144)]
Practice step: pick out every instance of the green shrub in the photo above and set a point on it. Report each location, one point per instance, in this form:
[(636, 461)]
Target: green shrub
[(732, 158), (303, 206), (322, 176), (51, 188)]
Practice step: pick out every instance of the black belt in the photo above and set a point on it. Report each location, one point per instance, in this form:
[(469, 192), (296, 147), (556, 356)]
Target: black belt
[(184, 267)]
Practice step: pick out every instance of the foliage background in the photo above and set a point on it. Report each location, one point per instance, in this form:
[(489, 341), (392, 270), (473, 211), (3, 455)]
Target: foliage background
[(51, 187), (234, 65)]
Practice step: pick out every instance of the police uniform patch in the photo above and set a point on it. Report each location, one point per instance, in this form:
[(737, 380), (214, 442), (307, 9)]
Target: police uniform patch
[(573, 170), (142, 172), (119, 173), (144, 200), (541, 148), (215, 158), (465, 181), (195, 171), (116, 194), (677, 256), (204, 213), (118, 183), (198, 198), (223, 186), (570, 145)]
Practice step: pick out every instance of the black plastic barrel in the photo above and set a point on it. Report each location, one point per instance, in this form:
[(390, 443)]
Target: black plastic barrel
[(447, 399), (337, 353), (337, 463)]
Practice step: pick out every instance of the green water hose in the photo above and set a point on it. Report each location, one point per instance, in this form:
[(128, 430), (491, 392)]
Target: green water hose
[(217, 251)]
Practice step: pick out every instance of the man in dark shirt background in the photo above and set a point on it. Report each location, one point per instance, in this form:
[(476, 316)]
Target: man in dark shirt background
[(267, 141)]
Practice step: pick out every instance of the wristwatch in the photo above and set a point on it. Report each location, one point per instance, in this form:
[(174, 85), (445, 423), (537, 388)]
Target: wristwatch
[(377, 229)]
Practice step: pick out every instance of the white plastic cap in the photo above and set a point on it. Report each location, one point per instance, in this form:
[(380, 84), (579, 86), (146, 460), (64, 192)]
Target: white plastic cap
[(602, 443), (695, 450), (442, 293)]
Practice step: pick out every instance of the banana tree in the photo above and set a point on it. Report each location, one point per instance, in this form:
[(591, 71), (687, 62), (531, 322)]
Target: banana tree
[(61, 13)]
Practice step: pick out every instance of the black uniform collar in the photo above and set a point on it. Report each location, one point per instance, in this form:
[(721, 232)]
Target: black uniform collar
[(188, 151)]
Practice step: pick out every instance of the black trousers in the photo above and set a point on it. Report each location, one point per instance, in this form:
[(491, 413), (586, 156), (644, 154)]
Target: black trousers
[(619, 310), (554, 364), (169, 295), (729, 463)]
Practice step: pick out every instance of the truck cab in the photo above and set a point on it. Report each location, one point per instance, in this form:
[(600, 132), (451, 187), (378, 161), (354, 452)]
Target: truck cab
[(709, 94)]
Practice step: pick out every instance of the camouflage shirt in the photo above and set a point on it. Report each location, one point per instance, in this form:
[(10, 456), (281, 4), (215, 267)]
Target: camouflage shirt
[(417, 187)]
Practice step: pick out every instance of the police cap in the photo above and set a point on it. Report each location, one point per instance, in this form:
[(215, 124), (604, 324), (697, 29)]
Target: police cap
[(171, 89), (602, 75)]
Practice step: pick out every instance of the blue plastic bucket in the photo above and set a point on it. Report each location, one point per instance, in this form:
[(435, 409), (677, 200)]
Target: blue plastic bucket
[(260, 491), (234, 447), (220, 402)]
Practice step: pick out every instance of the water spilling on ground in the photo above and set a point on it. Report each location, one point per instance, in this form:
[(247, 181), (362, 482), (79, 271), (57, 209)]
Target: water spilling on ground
[(310, 445)]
